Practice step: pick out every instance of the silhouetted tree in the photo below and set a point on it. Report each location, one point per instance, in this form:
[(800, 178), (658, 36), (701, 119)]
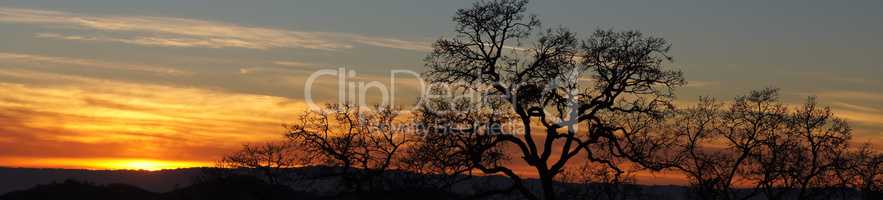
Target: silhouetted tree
[(364, 144), (269, 159), (555, 86), (865, 172), (752, 123), (503, 84), (758, 142), (594, 181), (702, 158), (819, 145), (452, 145)]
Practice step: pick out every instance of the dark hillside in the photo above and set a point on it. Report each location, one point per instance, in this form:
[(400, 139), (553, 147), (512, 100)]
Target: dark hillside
[(71, 189)]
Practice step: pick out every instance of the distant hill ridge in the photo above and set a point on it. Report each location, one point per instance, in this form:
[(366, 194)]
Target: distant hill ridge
[(12, 179), (233, 188)]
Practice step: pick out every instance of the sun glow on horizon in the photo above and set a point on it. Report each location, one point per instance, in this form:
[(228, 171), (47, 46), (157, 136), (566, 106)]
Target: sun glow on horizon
[(150, 165), (104, 163)]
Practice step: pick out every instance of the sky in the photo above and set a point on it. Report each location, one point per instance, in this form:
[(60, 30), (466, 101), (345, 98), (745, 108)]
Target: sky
[(110, 84)]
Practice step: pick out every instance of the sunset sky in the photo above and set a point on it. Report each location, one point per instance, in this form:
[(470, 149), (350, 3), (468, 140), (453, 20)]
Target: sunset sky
[(109, 84)]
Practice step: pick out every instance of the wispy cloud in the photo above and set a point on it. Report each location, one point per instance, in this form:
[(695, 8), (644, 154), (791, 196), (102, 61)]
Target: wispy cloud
[(276, 70), (851, 95), (283, 67), (33, 58), (863, 117), (387, 42), (158, 41), (105, 118), (702, 83), (858, 106), (866, 114), (297, 64), (182, 32), (855, 107), (837, 78)]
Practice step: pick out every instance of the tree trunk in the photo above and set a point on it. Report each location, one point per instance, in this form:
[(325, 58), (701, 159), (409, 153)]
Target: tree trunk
[(548, 184)]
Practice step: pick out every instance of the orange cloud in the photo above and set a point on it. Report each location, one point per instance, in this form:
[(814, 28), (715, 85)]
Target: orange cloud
[(78, 117)]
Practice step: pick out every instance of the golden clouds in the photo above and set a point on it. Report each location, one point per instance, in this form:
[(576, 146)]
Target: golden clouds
[(856, 106), (180, 32), (863, 117), (83, 117), (19, 58)]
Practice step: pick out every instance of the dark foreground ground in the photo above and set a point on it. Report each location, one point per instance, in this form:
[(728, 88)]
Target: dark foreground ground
[(192, 184)]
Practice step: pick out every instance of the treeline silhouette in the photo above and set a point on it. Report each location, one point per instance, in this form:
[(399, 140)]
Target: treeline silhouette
[(503, 89), (508, 98), (581, 115), (753, 148)]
